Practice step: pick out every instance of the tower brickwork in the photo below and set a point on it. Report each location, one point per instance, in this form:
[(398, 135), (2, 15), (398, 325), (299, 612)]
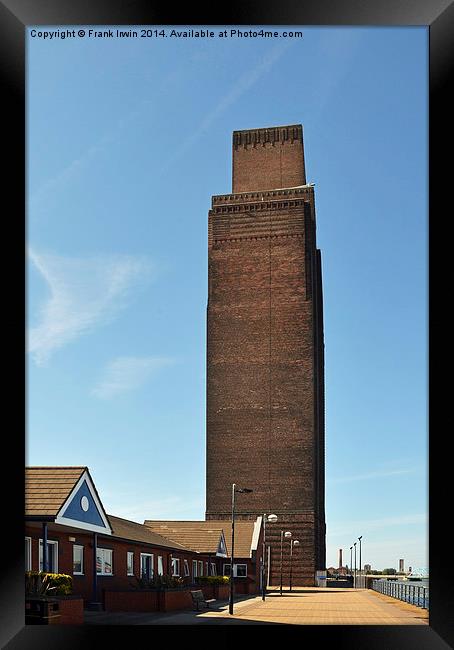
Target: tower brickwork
[(265, 350)]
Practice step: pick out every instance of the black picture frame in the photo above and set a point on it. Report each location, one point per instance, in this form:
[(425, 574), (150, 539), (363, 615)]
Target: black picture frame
[(438, 17)]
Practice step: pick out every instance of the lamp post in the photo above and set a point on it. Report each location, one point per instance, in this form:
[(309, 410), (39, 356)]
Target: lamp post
[(270, 519), (354, 576), (241, 491), (293, 542), (360, 538), (351, 563), (286, 534)]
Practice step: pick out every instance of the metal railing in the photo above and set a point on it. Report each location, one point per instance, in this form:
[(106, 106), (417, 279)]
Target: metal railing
[(414, 594)]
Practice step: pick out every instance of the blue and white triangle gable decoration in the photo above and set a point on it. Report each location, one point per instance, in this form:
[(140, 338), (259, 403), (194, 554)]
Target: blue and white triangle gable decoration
[(82, 509)]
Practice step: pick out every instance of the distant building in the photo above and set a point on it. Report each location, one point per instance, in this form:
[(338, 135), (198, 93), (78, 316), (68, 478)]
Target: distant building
[(401, 566), (367, 568)]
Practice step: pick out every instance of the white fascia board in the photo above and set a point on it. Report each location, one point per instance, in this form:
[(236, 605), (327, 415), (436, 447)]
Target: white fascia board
[(256, 534), (61, 519)]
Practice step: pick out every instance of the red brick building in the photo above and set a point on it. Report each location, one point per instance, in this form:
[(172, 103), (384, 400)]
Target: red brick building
[(213, 539), (265, 350), (64, 515)]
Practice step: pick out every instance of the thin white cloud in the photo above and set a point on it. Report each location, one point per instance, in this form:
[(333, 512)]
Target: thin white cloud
[(40, 197), (125, 374), (84, 293), (244, 83)]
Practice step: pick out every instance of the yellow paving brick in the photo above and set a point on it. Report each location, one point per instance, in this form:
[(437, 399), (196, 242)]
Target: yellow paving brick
[(312, 606)]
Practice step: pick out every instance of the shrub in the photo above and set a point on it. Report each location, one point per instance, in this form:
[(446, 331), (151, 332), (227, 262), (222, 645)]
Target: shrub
[(38, 583), (212, 580), (160, 582)]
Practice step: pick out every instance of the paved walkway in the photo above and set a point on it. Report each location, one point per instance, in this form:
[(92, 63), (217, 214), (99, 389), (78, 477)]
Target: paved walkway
[(305, 606)]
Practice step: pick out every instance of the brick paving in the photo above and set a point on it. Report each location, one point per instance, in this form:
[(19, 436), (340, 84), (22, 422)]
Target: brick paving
[(310, 606), (305, 606)]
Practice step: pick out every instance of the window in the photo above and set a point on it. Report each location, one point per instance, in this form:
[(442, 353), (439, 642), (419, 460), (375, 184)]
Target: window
[(186, 567), (52, 556), (78, 560), (200, 568), (130, 563), (28, 553), (146, 566), (240, 570), (194, 568), (175, 566), (104, 561), (160, 566), (213, 569)]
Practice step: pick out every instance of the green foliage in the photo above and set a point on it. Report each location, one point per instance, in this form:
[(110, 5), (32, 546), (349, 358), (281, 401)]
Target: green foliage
[(212, 580), (38, 583), (389, 572), (160, 582)]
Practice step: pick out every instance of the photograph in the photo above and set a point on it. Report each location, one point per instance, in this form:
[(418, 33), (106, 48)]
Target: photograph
[(226, 325)]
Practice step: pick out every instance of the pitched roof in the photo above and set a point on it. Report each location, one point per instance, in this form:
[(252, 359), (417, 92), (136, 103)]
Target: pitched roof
[(47, 488), (200, 536), (134, 531), (203, 536), (244, 531)]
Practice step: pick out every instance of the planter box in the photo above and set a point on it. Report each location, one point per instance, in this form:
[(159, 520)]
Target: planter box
[(171, 600), (147, 600), (143, 600), (222, 592), (71, 609), (66, 610), (41, 611)]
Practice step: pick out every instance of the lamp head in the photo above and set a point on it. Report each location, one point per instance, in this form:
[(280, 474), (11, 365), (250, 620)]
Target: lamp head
[(296, 542), (243, 490), (272, 518), (288, 534)]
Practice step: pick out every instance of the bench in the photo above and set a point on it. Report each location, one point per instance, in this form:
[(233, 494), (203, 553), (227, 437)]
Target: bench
[(198, 597)]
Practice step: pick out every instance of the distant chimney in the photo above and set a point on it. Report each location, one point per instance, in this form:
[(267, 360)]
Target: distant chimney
[(340, 558)]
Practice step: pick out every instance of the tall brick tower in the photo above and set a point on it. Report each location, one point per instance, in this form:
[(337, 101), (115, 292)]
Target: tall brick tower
[(265, 350)]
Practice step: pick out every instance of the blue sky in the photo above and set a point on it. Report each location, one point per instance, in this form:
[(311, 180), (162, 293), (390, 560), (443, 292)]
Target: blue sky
[(127, 140)]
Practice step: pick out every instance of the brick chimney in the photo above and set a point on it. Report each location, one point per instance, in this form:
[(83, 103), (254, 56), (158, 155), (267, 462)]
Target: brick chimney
[(267, 159)]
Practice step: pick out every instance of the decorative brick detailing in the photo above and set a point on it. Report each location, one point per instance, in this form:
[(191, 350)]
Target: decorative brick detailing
[(271, 135), (265, 384), (268, 158)]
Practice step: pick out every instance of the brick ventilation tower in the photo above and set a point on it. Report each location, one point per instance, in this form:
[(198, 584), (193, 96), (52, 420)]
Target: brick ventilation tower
[(265, 350)]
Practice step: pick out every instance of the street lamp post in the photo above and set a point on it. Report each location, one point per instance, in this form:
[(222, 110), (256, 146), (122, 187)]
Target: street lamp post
[(354, 576), (286, 534), (271, 519), (293, 542), (234, 490), (360, 538), (351, 563)]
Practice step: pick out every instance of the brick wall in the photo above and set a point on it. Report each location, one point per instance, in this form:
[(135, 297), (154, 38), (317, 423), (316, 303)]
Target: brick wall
[(83, 584), (268, 158), (71, 611), (265, 406), (131, 601)]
